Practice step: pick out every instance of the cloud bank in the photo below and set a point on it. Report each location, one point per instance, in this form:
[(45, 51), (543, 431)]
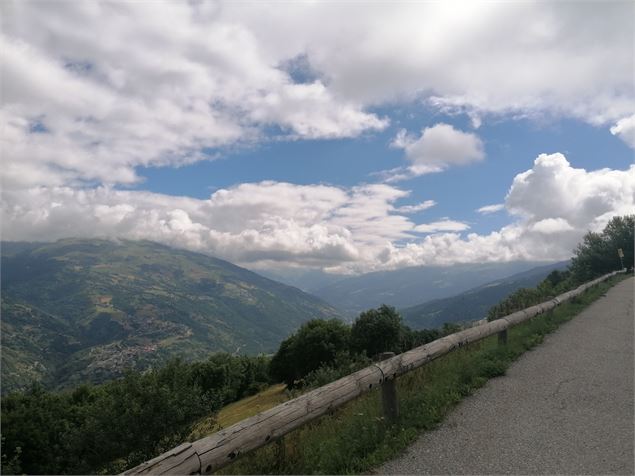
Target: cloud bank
[(344, 230)]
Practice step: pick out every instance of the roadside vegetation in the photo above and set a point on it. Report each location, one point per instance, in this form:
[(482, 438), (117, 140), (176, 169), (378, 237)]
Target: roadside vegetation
[(356, 438), (103, 429), (107, 428), (595, 256)]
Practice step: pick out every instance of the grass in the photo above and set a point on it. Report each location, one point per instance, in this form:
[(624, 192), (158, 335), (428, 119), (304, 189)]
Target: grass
[(253, 405), (238, 411), (356, 438)]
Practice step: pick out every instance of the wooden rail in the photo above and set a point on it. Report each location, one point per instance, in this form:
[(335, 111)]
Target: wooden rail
[(213, 452)]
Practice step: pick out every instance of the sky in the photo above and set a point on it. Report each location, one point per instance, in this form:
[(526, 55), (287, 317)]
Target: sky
[(340, 136)]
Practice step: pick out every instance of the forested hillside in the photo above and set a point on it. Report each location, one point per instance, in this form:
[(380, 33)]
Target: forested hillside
[(84, 310)]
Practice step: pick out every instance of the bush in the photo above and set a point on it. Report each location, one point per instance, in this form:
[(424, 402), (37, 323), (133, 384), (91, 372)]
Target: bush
[(344, 364)]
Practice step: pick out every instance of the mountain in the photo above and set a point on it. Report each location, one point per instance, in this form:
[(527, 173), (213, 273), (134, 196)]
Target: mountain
[(411, 286), (83, 310), (305, 279), (473, 305)]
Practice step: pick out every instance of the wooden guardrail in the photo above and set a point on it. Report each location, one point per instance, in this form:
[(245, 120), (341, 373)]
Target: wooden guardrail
[(213, 452)]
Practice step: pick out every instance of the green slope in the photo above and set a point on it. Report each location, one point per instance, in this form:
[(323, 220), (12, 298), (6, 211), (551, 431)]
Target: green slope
[(83, 310), (473, 305)]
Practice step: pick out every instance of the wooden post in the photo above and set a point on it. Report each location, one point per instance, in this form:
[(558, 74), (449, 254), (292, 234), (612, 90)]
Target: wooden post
[(502, 337), (281, 453), (389, 393)]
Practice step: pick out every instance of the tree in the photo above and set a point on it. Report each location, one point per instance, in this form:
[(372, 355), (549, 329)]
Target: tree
[(597, 254), (409, 339), (282, 367), (377, 330), (318, 342)]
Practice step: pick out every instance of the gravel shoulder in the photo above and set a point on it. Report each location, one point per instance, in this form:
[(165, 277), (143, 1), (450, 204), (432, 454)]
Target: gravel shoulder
[(565, 407)]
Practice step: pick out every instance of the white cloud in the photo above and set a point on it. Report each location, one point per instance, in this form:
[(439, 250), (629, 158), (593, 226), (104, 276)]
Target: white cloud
[(439, 147), (416, 208), (555, 205), (114, 86), (550, 226), (313, 225), (625, 130), (90, 92), (443, 225), (487, 209), (561, 58), (554, 189), (342, 230)]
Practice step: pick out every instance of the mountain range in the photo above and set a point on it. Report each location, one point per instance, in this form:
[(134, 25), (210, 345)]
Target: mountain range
[(83, 310), (412, 286), (473, 304)]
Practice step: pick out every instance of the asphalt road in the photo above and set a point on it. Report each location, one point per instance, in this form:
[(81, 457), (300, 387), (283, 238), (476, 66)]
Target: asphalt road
[(565, 407)]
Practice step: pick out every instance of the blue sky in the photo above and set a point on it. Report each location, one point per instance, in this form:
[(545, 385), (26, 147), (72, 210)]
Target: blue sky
[(297, 138), (511, 147)]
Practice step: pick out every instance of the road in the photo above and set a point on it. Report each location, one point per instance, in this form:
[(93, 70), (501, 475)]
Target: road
[(565, 407)]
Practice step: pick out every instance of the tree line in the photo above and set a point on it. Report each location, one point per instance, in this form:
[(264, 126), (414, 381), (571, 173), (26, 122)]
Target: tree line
[(323, 350)]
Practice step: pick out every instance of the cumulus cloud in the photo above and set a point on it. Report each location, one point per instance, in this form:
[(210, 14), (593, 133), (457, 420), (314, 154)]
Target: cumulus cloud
[(487, 209), (625, 130), (555, 205), (554, 189), (439, 147), (312, 225), (552, 226)]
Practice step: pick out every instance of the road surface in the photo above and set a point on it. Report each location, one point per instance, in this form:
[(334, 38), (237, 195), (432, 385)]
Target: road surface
[(564, 408)]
